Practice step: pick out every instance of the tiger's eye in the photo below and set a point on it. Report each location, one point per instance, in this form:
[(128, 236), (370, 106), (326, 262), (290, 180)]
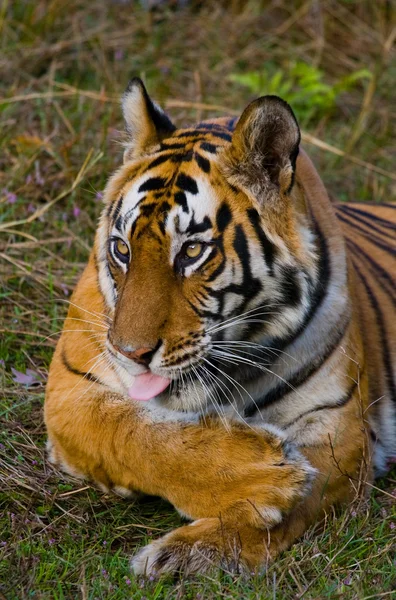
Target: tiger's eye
[(193, 250), (122, 248)]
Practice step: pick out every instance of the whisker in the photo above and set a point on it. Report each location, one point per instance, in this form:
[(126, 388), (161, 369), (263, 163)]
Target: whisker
[(94, 314), (256, 345), (244, 321), (213, 399), (255, 349), (234, 382), (86, 321), (243, 314), (90, 331), (258, 366)]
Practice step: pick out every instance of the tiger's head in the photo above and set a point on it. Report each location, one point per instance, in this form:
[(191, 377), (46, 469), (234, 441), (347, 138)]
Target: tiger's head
[(204, 254)]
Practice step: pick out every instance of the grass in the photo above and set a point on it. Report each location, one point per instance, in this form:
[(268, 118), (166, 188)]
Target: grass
[(63, 67)]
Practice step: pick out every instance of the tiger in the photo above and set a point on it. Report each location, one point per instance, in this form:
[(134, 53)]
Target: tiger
[(230, 344)]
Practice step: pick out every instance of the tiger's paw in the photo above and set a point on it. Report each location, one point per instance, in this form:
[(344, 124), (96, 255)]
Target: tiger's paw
[(204, 545)]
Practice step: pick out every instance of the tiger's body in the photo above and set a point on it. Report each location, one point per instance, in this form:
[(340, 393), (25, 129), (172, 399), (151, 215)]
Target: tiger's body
[(253, 321)]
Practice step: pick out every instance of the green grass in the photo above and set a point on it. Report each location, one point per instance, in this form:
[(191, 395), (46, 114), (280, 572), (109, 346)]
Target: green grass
[(63, 66)]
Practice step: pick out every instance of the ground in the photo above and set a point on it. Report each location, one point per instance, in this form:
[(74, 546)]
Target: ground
[(64, 65)]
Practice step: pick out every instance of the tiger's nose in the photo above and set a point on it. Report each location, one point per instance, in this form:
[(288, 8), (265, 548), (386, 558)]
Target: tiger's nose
[(142, 356)]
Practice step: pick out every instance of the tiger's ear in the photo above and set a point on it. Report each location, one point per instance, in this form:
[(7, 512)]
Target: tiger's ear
[(145, 122), (264, 148)]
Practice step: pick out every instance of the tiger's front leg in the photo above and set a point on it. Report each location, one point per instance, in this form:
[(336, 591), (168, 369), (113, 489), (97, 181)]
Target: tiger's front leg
[(239, 475), (234, 543)]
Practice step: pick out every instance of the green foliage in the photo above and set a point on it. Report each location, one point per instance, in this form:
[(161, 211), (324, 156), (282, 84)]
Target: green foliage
[(303, 86)]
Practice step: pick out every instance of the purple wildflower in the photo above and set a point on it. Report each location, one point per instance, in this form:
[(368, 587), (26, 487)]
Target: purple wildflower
[(128, 581), (64, 289), (11, 198), (76, 212), (99, 196), (119, 54), (28, 378)]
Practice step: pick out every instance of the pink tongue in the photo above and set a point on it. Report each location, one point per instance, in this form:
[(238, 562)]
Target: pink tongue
[(147, 385)]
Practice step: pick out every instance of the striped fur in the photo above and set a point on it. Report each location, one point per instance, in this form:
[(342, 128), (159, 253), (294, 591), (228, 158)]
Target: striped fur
[(279, 335)]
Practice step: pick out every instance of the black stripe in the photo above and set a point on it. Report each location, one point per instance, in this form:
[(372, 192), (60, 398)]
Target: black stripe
[(194, 227), (117, 208), (181, 199), (180, 157), (202, 313), (250, 285), (232, 122), (374, 239), (223, 217), (175, 146), (268, 249), (154, 183), (202, 162), (364, 213), (213, 131), (343, 401), (324, 275), (384, 280), (188, 133), (158, 161), (222, 135), (302, 376), (87, 375), (386, 354), (220, 268), (208, 147), (187, 183), (290, 286), (350, 213), (129, 213)]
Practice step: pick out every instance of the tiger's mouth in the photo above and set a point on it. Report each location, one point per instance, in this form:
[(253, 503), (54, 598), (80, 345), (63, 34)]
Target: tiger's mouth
[(217, 370)]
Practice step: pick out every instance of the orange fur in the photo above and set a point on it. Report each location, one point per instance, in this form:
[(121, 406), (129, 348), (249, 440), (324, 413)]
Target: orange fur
[(252, 492)]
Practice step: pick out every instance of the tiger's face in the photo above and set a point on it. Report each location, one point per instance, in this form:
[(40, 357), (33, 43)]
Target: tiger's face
[(204, 255)]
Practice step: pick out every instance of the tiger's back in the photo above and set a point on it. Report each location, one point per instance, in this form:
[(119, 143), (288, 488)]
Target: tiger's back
[(370, 235)]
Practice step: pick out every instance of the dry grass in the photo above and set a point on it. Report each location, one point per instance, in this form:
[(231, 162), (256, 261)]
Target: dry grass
[(63, 67)]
